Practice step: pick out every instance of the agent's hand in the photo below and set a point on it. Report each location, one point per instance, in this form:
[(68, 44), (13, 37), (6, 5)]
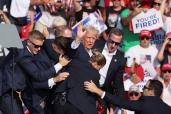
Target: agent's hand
[(61, 77), (90, 86), (63, 60)]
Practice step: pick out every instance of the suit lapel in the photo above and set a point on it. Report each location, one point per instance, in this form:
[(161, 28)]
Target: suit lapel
[(112, 65)]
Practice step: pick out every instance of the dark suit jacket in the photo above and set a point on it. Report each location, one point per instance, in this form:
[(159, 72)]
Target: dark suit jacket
[(145, 105), (39, 69), (81, 71), (114, 82)]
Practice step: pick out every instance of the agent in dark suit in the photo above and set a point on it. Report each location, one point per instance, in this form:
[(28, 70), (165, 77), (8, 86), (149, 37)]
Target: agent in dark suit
[(80, 101), (111, 79), (41, 73), (149, 103)]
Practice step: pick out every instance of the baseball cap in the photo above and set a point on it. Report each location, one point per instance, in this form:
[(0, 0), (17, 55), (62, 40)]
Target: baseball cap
[(145, 33), (168, 34), (134, 88), (166, 67)]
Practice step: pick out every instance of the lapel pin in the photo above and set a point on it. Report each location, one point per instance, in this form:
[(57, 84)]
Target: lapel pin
[(115, 60)]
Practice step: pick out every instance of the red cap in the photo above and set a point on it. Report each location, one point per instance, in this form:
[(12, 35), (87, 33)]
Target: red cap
[(145, 33), (168, 34), (166, 67), (138, 70)]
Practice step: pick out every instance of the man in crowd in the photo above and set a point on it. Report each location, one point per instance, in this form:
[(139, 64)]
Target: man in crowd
[(145, 55)]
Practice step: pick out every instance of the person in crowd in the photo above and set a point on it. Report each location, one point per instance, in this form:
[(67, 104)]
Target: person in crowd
[(133, 95), (50, 26), (111, 16), (149, 103), (166, 19), (165, 51), (111, 75), (85, 10), (79, 101), (134, 74), (158, 35), (145, 55), (165, 79), (41, 73)]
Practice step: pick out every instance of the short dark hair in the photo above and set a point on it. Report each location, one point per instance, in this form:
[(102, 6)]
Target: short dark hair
[(115, 31), (156, 86), (62, 42)]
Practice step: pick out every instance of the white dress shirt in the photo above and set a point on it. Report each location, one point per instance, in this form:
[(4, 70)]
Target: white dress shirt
[(103, 71)]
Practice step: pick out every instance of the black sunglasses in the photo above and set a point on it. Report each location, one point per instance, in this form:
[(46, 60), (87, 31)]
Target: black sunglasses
[(36, 46), (164, 71), (133, 94), (113, 42), (143, 38), (156, 3)]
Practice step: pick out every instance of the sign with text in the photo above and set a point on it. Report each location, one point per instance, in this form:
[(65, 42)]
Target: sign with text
[(150, 20), (93, 20)]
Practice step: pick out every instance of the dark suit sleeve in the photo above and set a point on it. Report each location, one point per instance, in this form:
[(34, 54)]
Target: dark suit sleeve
[(123, 103), (118, 86), (36, 74), (40, 85)]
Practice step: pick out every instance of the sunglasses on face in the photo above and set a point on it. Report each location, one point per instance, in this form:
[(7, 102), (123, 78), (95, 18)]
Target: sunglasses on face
[(113, 42), (144, 38), (36, 46), (133, 94), (165, 71), (155, 3)]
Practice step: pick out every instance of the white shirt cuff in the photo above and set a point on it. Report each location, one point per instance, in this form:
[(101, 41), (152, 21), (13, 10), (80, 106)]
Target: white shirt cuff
[(57, 67), (51, 83), (103, 95), (74, 45)]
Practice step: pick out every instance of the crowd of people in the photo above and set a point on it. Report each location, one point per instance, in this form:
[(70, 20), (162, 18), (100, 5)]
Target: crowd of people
[(62, 71)]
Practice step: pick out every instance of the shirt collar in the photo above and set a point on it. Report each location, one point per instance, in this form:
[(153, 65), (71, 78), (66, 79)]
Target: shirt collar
[(106, 49)]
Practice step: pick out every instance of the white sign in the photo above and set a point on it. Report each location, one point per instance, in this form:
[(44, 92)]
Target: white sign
[(150, 20), (93, 20)]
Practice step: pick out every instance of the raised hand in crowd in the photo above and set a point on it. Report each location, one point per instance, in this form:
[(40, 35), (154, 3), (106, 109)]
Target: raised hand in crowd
[(4, 18), (61, 77), (63, 60), (166, 42)]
